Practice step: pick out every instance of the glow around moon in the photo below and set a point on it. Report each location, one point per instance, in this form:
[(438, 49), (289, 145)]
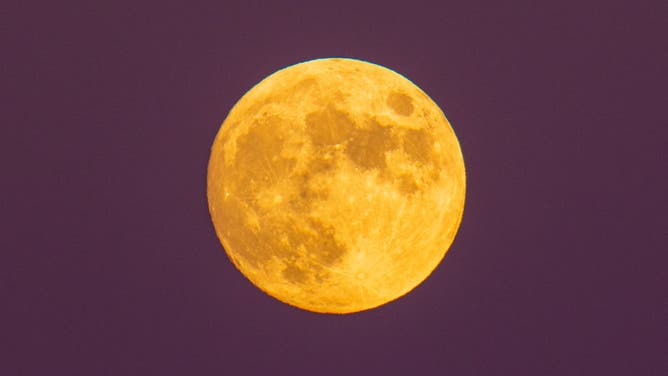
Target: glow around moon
[(336, 185)]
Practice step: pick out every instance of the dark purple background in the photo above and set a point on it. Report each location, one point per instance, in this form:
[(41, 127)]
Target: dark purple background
[(110, 265)]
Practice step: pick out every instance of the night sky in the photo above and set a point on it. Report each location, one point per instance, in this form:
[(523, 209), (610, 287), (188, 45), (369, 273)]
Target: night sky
[(109, 263)]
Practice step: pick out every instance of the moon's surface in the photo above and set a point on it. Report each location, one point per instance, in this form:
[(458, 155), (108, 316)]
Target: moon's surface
[(336, 185)]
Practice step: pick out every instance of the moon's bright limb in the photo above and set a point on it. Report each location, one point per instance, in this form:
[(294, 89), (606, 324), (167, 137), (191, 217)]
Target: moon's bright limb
[(336, 185)]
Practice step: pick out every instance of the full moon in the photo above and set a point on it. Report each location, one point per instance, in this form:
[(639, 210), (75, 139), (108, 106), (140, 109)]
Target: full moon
[(336, 185)]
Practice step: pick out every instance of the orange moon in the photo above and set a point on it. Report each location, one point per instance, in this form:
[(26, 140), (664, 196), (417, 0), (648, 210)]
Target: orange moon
[(336, 185)]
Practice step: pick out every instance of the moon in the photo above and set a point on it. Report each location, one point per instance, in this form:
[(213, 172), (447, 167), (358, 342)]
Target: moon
[(336, 185)]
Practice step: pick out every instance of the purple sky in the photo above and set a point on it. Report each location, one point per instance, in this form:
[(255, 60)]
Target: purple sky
[(109, 264)]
